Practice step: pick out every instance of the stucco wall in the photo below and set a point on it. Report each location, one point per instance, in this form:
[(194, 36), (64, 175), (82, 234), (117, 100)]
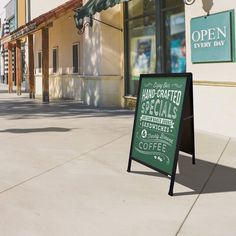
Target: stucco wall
[(103, 91), (104, 44), (21, 12), (10, 9), (63, 35), (214, 105), (100, 81), (38, 8)]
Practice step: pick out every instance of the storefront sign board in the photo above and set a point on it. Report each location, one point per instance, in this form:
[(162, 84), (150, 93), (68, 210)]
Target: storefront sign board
[(165, 103), (212, 38)]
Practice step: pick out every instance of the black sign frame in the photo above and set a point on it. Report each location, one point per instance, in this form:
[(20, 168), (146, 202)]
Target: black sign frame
[(186, 126)]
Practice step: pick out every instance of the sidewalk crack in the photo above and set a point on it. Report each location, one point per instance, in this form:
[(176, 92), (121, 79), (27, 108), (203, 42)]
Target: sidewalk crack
[(63, 164), (203, 188)]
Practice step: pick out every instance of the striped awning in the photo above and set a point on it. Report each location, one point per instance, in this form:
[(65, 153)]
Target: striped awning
[(92, 7)]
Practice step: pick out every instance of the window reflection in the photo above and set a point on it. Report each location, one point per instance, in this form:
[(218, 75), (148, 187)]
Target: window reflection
[(146, 34), (142, 44), (140, 8)]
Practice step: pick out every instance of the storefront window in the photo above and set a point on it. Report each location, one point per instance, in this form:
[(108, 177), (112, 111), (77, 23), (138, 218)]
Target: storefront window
[(140, 8), (171, 3), (175, 41), (12, 24), (142, 44), (155, 39)]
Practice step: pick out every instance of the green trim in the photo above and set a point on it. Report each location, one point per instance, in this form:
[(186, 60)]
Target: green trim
[(90, 8), (233, 34)]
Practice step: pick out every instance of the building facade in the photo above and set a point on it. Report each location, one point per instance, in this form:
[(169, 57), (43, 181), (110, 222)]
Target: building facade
[(99, 61), (155, 34), (14, 17), (86, 67), (214, 81)]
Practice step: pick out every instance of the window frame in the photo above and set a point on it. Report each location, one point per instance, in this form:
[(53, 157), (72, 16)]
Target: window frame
[(40, 61), (55, 64), (161, 66), (78, 59), (12, 27)]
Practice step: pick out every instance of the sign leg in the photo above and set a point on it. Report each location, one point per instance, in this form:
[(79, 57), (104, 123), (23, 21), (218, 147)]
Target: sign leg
[(193, 160), (172, 182), (193, 138), (129, 165)]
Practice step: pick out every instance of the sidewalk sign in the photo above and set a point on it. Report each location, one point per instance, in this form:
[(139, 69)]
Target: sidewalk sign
[(164, 123)]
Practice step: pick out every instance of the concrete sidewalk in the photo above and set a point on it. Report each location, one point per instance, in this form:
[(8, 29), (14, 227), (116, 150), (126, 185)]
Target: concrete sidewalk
[(63, 173)]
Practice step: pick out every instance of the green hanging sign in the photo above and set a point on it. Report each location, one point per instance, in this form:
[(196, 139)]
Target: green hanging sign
[(164, 111), (212, 38)]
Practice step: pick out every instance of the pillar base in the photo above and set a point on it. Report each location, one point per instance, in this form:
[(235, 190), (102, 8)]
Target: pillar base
[(45, 97), (32, 95)]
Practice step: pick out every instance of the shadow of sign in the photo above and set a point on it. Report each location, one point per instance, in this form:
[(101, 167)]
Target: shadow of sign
[(199, 177), (35, 130)]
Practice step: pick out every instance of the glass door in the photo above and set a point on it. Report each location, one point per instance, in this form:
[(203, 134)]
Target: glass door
[(154, 39), (174, 41), (141, 26)]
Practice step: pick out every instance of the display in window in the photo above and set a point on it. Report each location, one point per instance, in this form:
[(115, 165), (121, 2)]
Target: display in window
[(177, 43), (178, 55), (142, 56)]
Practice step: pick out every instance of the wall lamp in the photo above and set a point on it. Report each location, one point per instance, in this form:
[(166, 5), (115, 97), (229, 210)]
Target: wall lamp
[(189, 2), (81, 23)]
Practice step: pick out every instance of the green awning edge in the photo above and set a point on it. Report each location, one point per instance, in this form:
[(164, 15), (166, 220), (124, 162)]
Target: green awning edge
[(91, 8)]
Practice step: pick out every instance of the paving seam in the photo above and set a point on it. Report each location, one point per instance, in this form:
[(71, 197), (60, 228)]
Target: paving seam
[(204, 186), (63, 164)]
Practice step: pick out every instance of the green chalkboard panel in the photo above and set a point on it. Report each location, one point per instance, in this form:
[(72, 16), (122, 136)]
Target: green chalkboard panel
[(163, 100)]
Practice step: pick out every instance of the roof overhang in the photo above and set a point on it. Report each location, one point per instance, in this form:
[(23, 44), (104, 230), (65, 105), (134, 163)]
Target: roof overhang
[(44, 20)]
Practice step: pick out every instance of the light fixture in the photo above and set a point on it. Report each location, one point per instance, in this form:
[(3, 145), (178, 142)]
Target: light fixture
[(81, 23), (189, 2)]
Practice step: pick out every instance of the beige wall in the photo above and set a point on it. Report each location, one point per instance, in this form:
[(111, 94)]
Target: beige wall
[(214, 105), (104, 44), (209, 71), (100, 82), (40, 7), (102, 91), (63, 35), (21, 12)]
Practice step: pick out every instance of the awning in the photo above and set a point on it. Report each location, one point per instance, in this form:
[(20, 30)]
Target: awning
[(92, 7)]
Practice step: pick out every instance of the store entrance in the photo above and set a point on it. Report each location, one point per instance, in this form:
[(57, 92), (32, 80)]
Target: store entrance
[(174, 40), (154, 39)]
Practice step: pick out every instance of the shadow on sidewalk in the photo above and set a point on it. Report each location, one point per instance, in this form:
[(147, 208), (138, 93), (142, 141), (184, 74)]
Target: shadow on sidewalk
[(27, 109), (35, 130), (3, 91), (196, 176)]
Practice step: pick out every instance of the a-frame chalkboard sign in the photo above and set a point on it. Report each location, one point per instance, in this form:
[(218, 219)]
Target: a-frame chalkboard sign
[(164, 123)]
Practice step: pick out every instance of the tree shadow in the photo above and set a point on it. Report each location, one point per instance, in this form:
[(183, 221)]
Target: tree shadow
[(35, 130), (3, 91), (21, 107), (28, 109), (196, 177)]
